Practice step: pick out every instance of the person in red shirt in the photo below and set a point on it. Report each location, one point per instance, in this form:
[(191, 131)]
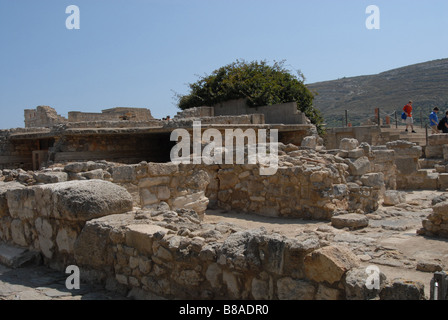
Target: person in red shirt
[(409, 120)]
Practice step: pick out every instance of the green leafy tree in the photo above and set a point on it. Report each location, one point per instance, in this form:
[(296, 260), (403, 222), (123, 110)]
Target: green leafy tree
[(261, 84)]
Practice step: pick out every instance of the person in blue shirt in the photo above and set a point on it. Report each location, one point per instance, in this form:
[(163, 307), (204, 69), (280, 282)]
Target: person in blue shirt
[(434, 120)]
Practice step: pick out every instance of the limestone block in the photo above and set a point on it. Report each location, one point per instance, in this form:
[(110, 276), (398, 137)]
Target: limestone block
[(233, 283), (352, 221), (196, 201), (227, 179), (383, 155), (260, 289), (51, 177), (407, 166), (329, 263), (401, 289), (22, 203), (94, 174), (443, 180), (153, 181), (214, 275), (355, 285), (326, 293), (360, 166), (437, 139), (4, 187), (375, 180), (399, 144), (291, 289), (348, 144), (441, 210), (76, 167), (434, 152), (147, 198), (355, 153), (198, 181), (163, 193), (92, 247), (81, 200), (141, 236), (65, 240), (123, 174), (162, 169), (309, 142), (393, 197), (18, 233)]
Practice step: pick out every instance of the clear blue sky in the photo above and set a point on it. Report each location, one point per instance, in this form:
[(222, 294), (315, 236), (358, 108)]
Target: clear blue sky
[(135, 53)]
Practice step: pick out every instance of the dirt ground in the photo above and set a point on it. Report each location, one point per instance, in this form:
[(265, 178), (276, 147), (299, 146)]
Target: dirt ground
[(389, 242)]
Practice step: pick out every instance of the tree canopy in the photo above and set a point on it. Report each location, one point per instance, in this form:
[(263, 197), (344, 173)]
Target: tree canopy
[(260, 83)]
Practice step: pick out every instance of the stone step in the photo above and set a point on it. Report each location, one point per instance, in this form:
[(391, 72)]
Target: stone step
[(15, 257)]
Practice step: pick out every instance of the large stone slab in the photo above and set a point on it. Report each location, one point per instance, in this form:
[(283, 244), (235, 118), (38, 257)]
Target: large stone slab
[(352, 221), (82, 200), (329, 264), (15, 257)]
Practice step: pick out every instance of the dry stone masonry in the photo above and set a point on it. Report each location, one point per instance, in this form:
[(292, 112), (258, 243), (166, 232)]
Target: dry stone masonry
[(104, 196)]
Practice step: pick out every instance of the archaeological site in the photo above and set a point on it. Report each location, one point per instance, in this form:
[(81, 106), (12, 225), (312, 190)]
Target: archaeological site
[(359, 213)]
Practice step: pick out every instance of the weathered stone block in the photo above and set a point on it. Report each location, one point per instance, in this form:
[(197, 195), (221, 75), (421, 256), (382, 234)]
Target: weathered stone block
[(291, 289), (124, 174), (51, 177), (393, 197), (162, 169), (360, 166), (356, 153), (352, 221), (329, 263), (141, 236), (401, 289), (309, 142), (375, 180), (443, 180), (348, 144)]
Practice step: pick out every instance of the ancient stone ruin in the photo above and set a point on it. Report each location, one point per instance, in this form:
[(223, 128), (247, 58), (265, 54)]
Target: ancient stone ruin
[(101, 193)]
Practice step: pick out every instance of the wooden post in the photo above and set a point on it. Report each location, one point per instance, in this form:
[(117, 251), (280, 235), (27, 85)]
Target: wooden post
[(346, 118)]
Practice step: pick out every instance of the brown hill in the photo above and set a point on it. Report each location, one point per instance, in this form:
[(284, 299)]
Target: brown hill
[(424, 83)]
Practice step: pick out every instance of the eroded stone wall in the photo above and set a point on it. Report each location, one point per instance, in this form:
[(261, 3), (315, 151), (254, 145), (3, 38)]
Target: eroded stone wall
[(49, 218)]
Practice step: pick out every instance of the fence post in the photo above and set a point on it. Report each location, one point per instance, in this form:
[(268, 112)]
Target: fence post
[(346, 118), (396, 120), (421, 118), (379, 117)]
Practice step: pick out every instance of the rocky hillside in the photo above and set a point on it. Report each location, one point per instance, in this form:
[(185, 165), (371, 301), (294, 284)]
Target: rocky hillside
[(424, 83)]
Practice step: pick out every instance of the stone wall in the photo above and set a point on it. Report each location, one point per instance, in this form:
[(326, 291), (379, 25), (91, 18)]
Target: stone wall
[(436, 224), (163, 249), (435, 147), (42, 117), (173, 255), (198, 112), (285, 113), (306, 185), (49, 218), (368, 134), (115, 114)]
